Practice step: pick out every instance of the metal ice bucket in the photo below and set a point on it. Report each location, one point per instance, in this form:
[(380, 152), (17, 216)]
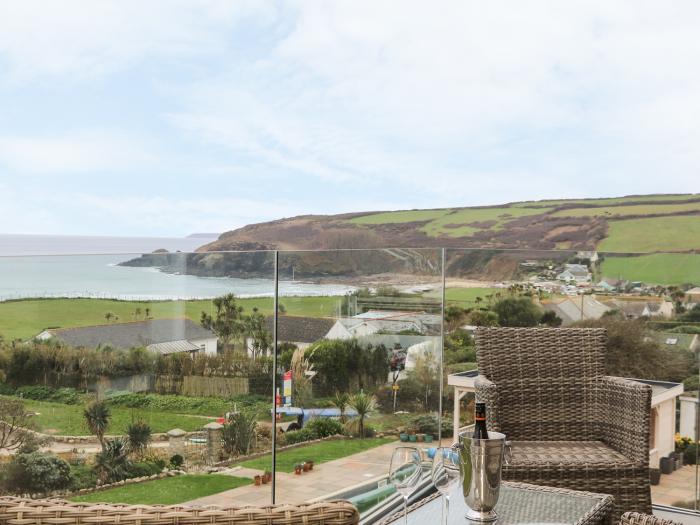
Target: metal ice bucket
[(481, 461)]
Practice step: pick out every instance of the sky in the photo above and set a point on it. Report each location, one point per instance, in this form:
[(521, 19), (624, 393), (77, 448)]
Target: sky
[(170, 117)]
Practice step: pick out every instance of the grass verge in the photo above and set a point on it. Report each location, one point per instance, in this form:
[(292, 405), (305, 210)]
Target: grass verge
[(317, 452), (166, 491)]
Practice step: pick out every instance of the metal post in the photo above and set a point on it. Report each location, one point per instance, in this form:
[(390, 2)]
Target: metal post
[(442, 348), (274, 378)]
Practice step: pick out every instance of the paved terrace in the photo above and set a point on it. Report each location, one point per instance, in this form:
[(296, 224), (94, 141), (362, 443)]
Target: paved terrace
[(326, 478)]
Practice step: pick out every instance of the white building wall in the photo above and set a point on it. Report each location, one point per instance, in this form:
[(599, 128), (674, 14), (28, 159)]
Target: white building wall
[(209, 344), (665, 431), (689, 416)]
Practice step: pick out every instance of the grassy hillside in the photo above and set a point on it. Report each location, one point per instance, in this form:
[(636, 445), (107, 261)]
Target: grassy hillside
[(671, 222), (659, 268)]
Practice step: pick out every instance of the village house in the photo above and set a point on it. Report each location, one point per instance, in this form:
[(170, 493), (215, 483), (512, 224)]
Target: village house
[(575, 273), (165, 336), (385, 321), (579, 308), (297, 330)]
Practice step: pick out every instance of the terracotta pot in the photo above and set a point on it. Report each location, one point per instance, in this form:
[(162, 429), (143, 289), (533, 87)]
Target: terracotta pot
[(297, 471), (306, 467), (258, 480), (311, 465), (268, 477)]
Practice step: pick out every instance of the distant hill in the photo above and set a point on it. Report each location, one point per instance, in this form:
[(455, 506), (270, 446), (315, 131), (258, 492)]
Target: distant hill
[(640, 223)]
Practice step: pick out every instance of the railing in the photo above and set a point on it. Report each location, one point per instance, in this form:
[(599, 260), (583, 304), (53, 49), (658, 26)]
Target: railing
[(423, 305)]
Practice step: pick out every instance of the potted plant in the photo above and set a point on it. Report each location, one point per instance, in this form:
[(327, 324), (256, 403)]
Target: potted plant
[(403, 437), (267, 476), (412, 438), (420, 437), (297, 469), (654, 476), (258, 480), (311, 464), (428, 438), (305, 466)]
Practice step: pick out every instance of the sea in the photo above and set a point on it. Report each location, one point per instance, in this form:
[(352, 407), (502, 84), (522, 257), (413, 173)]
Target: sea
[(33, 266)]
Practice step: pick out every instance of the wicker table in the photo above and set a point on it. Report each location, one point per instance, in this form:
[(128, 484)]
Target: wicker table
[(520, 504)]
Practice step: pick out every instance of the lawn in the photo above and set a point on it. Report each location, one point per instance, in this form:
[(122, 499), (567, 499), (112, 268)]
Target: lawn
[(166, 491), (318, 452), (637, 209), (659, 268), (24, 319), (60, 419), (655, 234), (467, 296)]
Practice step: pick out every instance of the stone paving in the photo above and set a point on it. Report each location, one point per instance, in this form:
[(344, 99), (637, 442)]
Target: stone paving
[(676, 487), (324, 479)]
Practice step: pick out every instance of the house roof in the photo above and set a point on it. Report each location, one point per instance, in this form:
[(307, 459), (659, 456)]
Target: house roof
[(694, 291), (130, 335), (570, 309), (173, 347), (298, 329)]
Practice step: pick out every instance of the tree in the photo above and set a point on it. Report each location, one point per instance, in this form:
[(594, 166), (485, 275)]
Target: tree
[(517, 311), (550, 318), (112, 464), (454, 317), (138, 437), (340, 401), (459, 347), (97, 416), (14, 420), (109, 316), (227, 322), (483, 318), (364, 405), (426, 372), (302, 372), (256, 328)]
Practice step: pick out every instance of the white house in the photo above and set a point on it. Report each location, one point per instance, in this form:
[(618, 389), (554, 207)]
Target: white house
[(384, 321), (576, 273), (589, 255), (663, 411), (165, 336)]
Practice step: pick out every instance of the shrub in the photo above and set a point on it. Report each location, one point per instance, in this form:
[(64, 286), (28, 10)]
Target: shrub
[(324, 427), (299, 436), (82, 477), (37, 472), (176, 461), (138, 435), (691, 383), (68, 396), (689, 454), (112, 464), (6, 390), (143, 468), (239, 432)]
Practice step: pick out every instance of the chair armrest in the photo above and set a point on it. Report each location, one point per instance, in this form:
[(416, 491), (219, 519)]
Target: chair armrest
[(635, 518), (487, 392), (624, 414)]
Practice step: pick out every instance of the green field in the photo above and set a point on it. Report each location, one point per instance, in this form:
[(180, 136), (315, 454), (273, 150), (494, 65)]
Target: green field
[(636, 209), (24, 319), (399, 217), (67, 420), (318, 452), (465, 296), (612, 200), (166, 491), (661, 268), (656, 234)]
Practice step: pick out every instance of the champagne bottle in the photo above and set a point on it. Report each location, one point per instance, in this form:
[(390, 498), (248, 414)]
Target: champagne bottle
[(480, 431)]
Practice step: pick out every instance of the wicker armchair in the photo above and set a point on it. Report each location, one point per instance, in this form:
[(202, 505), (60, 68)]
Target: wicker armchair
[(570, 425), (18, 511), (635, 518)]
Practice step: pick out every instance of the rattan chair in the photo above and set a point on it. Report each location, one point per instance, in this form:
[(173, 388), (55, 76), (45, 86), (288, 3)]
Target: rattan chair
[(18, 511), (635, 518), (570, 425)]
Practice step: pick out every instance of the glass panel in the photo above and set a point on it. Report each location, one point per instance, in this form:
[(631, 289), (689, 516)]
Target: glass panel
[(360, 361), (646, 303), (179, 342)]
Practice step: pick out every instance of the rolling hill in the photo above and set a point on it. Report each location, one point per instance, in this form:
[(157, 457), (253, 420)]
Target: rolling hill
[(641, 224)]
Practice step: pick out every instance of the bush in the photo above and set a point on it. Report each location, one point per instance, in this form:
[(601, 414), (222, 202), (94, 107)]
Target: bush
[(6, 390), (176, 461), (239, 432), (67, 396), (144, 468), (299, 436), (37, 473), (324, 427), (689, 454), (691, 383), (82, 477)]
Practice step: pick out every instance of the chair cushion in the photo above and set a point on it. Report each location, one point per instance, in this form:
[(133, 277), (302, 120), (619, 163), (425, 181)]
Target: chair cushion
[(564, 453)]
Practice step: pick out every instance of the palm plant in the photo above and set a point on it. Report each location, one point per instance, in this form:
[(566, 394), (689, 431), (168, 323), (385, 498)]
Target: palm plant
[(138, 436), (112, 464), (97, 416), (341, 401), (364, 405)]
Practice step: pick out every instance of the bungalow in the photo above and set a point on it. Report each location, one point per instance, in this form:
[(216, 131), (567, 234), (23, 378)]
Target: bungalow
[(693, 295), (663, 411), (165, 336), (611, 285), (385, 322), (633, 309), (577, 273), (591, 256), (297, 330)]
